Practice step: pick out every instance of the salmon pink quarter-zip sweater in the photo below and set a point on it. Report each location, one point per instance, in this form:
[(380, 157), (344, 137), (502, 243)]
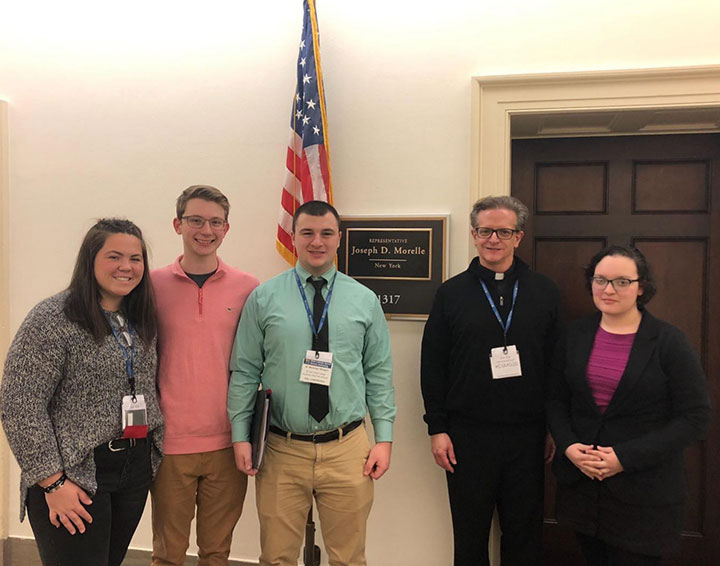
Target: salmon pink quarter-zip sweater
[(196, 330)]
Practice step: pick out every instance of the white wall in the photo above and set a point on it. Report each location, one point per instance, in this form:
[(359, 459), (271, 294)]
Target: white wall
[(116, 107)]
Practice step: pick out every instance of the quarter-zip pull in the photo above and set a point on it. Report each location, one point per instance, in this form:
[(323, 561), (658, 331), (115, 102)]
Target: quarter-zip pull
[(502, 301), (200, 300)]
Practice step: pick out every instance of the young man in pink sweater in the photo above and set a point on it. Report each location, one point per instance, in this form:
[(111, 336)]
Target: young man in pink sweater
[(199, 300)]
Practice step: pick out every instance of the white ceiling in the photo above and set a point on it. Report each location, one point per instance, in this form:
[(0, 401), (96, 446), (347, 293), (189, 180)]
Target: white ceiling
[(613, 123)]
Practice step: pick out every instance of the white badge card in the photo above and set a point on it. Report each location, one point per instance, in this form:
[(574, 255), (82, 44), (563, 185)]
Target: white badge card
[(134, 413), (505, 362), (316, 367)]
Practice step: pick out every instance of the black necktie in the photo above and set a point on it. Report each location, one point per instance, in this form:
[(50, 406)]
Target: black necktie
[(319, 405)]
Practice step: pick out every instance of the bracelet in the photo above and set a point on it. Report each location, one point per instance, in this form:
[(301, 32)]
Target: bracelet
[(57, 484)]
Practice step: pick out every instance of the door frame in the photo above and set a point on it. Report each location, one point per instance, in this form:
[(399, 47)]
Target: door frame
[(497, 98)]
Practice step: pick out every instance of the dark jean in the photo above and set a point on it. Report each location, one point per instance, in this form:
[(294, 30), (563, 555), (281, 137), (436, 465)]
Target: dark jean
[(123, 479)]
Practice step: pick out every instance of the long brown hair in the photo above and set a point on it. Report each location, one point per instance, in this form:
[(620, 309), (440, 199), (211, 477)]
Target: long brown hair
[(83, 301)]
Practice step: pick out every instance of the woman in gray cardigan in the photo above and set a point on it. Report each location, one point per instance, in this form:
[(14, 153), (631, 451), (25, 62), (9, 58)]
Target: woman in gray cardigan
[(79, 403)]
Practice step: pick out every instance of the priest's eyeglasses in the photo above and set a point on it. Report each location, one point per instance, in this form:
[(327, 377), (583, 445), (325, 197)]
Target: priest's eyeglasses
[(502, 233), (619, 283)]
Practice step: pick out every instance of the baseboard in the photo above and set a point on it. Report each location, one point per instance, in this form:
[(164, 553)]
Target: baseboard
[(23, 552)]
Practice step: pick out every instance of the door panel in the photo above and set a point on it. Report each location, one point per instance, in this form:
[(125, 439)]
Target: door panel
[(661, 194)]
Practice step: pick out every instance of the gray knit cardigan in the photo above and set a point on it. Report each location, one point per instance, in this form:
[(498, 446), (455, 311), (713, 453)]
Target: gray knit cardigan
[(61, 396)]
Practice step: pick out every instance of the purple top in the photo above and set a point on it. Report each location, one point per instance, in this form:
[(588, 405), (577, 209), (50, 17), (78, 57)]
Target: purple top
[(606, 365)]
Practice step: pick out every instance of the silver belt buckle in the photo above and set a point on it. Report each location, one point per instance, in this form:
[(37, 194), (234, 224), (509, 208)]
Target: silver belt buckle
[(132, 443)]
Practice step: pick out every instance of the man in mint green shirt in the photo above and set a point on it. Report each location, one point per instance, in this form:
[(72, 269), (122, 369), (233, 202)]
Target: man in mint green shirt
[(317, 446)]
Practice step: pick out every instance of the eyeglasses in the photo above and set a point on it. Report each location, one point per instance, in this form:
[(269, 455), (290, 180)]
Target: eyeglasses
[(119, 323), (502, 233), (600, 282), (199, 222)]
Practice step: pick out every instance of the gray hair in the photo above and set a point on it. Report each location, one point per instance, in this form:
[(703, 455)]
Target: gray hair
[(506, 202)]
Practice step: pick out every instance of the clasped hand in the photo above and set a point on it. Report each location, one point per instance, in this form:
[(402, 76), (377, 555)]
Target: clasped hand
[(596, 462)]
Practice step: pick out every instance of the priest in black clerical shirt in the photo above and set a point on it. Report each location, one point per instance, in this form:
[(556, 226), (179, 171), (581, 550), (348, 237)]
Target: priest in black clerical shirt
[(485, 354)]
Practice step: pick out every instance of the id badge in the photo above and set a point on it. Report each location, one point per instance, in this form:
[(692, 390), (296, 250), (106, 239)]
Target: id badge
[(505, 362), (317, 367), (134, 417)]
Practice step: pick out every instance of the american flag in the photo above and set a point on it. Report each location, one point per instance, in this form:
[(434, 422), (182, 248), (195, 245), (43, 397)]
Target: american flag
[(307, 175)]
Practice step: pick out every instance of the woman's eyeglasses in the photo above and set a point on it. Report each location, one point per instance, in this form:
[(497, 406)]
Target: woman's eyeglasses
[(600, 282)]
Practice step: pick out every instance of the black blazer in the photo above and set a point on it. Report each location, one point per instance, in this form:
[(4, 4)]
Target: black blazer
[(661, 406)]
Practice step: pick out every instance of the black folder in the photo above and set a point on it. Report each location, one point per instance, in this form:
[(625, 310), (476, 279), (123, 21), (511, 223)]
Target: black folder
[(260, 427)]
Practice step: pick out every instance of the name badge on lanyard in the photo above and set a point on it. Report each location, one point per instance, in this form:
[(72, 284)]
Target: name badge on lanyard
[(316, 366), (133, 408), (134, 417), (504, 361)]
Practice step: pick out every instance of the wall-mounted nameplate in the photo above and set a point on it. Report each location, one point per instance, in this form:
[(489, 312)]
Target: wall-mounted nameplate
[(401, 258)]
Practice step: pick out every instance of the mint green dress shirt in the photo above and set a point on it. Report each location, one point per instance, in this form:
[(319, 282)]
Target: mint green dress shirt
[(271, 341)]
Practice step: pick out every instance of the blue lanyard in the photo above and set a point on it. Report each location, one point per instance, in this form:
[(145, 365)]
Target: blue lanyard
[(315, 332), (129, 358), (506, 325)]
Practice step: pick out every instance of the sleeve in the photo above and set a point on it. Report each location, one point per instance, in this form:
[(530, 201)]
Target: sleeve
[(246, 364), (557, 405), (34, 367), (689, 408), (378, 370), (552, 337), (434, 362)]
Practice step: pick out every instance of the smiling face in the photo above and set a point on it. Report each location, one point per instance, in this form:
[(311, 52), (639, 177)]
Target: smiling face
[(621, 301), (316, 240), (118, 269), (201, 243), (496, 254)]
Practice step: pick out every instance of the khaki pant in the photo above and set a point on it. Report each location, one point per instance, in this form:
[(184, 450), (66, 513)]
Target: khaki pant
[(209, 480), (293, 469)]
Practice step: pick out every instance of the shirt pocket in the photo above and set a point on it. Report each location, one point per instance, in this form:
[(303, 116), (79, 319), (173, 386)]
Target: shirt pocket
[(347, 339)]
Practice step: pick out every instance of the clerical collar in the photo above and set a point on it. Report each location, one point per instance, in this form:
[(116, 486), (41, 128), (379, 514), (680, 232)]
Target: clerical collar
[(490, 275)]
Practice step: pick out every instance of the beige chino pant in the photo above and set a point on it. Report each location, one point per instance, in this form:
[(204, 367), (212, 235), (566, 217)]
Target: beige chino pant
[(343, 496), (208, 480)]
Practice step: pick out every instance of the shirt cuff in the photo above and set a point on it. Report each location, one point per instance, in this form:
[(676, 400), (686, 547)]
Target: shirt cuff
[(241, 432), (383, 430)]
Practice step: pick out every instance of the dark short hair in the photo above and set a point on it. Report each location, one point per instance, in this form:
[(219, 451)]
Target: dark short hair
[(506, 202), (204, 192), (645, 276), (82, 305), (315, 208)]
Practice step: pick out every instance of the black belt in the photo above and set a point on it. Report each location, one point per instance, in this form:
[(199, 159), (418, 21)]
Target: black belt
[(320, 437), (119, 444)]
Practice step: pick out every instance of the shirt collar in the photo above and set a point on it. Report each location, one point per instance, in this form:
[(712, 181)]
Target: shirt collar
[(303, 274), (178, 270)]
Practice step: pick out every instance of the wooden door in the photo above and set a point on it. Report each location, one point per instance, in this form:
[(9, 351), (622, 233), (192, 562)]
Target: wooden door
[(662, 194)]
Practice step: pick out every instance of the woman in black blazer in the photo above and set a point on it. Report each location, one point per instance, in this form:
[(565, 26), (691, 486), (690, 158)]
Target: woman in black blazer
[(628, 395)]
